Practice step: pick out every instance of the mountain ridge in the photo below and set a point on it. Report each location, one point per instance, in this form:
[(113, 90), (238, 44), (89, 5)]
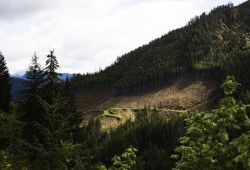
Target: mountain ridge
[(180, 70), (21, 75), (210, 45)]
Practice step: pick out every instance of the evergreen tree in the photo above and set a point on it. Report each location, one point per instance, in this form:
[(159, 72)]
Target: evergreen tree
[(5, 86), (52, 149), (12, 155), (53, 85), (51, 68), (34, 76), (52, 81), (125, 161), (30, 109)]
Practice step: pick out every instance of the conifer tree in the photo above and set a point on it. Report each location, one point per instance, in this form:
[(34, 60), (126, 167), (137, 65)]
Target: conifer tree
[(5, 86), (52, 81), (11, 153), (51, 68), (30, 109), (54, 131), (53, 138), (34, 76), (53, 85)]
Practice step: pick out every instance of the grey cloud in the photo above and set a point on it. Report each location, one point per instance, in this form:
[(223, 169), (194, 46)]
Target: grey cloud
[(13, 9)]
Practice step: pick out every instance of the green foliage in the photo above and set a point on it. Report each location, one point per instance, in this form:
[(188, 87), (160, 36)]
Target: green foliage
[(5, 161), (209, 142), (229, 86), (52, 65), (126, 160), (72, 156), (9, 130), (30, 110), (48, 112), (52, 82), (53, 148), (89, 138), (112, 113), (11, 143), (241, 147), (153, 136)]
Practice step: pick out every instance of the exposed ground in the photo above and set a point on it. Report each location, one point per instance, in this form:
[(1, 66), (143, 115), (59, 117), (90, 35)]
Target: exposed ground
[(173, 97), (186, 93)]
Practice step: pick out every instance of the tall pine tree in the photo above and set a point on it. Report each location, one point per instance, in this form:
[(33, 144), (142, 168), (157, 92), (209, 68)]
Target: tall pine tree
[(52, 80), (5, 86), (58, 119), (30, 109)]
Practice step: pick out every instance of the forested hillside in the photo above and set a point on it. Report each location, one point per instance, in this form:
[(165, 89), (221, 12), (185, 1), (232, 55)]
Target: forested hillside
[(17, 85), (210, 45)]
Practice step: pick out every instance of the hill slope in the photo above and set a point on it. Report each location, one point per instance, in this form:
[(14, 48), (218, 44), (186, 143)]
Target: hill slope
[(185, 93), (179, 70), (17, 85)]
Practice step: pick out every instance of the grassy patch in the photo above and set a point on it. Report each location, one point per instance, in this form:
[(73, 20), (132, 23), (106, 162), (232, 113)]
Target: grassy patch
[(176, 111), (114, 111), (111, 113)]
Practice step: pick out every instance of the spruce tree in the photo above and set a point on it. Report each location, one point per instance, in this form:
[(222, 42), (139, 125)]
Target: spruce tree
[(30, 109), (51, 147), (53, 150), (52, 80), (5, 86), (51, 68), (34, 76)]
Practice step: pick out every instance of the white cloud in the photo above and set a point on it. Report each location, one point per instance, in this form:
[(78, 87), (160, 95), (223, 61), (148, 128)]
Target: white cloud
[(88, 34)]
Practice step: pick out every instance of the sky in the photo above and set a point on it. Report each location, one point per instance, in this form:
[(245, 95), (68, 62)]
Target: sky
[(88, 34)]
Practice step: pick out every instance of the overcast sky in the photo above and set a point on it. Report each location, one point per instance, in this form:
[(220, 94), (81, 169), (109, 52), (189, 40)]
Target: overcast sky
[(88, 34)]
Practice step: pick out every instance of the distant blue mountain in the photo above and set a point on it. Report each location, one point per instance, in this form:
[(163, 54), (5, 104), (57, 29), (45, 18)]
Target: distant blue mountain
[(21, 75), (17, 83), (16, 86), (65, 75)]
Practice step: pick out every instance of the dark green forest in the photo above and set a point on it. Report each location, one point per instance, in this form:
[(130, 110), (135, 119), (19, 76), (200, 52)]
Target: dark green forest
[(41, 128)]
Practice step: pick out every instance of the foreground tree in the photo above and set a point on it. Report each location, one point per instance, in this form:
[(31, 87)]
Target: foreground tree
[(5, 86), (11, 154), (30, 109), (53, 148), (217, 140), (124, 162)]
